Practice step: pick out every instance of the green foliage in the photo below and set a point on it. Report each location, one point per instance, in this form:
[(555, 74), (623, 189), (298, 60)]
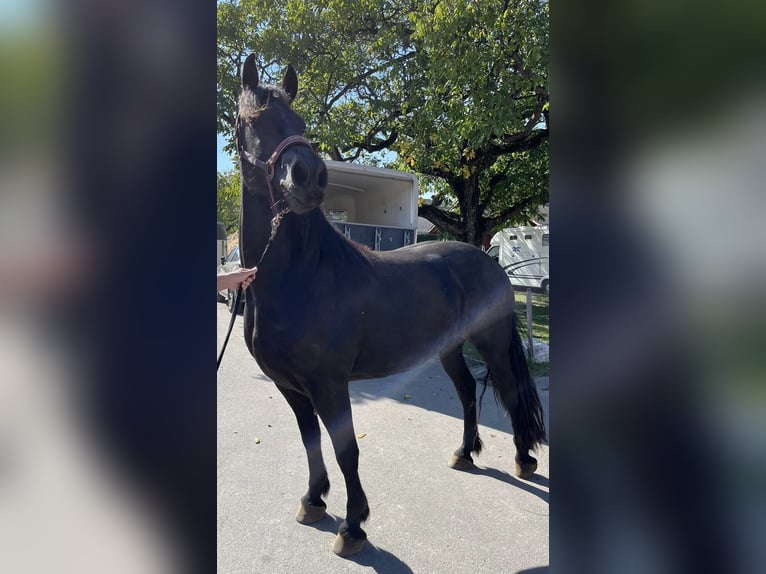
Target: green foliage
[(517, 176), (32, 68), (456, 89), (229, 193)]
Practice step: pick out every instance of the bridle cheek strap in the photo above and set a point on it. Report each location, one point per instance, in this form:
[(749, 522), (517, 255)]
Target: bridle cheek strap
[(267, 166)]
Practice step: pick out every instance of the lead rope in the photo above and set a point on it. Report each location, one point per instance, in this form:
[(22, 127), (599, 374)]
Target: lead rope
[(268, 168), (275, 222)]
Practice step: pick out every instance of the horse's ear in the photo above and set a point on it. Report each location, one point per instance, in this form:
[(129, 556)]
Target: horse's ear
[(250, 74), (290, 82)]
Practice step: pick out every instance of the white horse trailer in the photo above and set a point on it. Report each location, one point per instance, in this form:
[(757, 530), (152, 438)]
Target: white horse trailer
[(522, 252), (373, 206)]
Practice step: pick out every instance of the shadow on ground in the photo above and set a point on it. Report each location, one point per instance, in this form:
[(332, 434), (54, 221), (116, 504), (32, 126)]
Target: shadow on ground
[(380, 560), (526, 485), (429, 387)]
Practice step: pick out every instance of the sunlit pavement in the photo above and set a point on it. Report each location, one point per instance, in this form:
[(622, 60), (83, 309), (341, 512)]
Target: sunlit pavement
[(424, 516)]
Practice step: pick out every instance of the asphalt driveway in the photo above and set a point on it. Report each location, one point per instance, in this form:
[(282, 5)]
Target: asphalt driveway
[(424, 516)]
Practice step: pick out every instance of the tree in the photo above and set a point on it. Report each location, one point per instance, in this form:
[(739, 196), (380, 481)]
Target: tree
[(229, 193), (457, 89)]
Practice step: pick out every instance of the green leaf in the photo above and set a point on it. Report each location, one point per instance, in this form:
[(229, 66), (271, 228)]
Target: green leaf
[(442, 76)]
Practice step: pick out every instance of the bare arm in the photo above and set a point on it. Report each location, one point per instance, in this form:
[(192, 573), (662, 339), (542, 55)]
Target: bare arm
[(233, 279)]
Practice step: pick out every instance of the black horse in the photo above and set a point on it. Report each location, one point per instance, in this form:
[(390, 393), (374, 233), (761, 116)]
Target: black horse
[(323, 311)]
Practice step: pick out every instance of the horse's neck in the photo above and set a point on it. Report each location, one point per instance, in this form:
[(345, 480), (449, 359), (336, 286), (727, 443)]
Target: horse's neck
[(254, 227), (294, 253)]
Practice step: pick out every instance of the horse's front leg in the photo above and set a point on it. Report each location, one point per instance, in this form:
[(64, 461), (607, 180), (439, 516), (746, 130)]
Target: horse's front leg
[(312, 508), (335, 410)]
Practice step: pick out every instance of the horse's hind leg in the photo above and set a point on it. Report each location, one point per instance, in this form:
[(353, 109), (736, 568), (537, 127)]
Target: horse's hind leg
[(312, 508), (454, 364), (334, 408), (515, 390)]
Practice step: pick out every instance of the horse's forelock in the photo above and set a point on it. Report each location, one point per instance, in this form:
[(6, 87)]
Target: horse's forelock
[(251, 104)]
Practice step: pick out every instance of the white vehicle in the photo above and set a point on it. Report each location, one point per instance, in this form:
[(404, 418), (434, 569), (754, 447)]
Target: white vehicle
[(522, 252), (373, 206)]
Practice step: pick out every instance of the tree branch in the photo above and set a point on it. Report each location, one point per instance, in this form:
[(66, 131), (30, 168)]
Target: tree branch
[(451, 180), (335, 154), (441, 219), (356, 82), (508, 213), (518, 142), (368, 145), (494, 181)]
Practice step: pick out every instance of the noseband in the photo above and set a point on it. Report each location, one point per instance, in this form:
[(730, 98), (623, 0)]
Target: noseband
[(267, 167)]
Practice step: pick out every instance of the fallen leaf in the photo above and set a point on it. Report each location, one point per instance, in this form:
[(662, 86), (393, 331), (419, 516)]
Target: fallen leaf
[(361, 435), (406, 396), (257, 440)]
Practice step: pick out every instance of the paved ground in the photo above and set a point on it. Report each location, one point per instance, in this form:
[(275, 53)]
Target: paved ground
[(425, 517)]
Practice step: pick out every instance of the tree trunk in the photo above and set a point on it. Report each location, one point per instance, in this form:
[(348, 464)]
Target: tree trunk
[(470, 226), (472, 217)]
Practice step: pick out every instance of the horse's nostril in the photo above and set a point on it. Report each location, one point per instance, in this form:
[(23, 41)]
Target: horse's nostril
[(300, 174), (322, 177)]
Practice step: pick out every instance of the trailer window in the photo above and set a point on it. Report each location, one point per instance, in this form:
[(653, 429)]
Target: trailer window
[(527, 237), (513, 237), (545, 239)]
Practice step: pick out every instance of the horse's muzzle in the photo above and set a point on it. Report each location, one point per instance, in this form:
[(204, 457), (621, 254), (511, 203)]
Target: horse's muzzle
[(305, 199), (304, 183)]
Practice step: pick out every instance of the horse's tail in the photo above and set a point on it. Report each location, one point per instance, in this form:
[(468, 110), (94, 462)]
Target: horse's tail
[(519, 397)]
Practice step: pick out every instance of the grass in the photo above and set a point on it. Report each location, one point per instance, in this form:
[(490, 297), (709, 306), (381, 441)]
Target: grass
[(540, 325), (540, 315), (540, 328)]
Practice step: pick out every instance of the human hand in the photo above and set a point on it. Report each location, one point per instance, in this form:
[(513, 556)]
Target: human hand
[(249, 276), (233, 279)]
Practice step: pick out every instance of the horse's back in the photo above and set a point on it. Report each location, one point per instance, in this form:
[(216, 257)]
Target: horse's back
[(477, 274), (424, 298)]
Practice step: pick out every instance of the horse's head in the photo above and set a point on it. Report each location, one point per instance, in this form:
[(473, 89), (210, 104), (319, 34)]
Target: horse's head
[(270, 143)]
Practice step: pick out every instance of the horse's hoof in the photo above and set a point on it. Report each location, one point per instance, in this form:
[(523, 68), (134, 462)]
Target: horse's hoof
[(525, 470), (460, 462), (310, 513), (346, 545)]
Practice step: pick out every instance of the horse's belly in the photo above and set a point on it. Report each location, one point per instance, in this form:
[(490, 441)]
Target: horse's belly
[(297, 362), (380, 370), (397, 352)]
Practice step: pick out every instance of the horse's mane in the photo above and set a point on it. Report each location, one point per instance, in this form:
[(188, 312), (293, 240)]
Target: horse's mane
[(321, 240)]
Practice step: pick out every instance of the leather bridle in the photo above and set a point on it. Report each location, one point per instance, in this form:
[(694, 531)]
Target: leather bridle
[(267, 167)]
